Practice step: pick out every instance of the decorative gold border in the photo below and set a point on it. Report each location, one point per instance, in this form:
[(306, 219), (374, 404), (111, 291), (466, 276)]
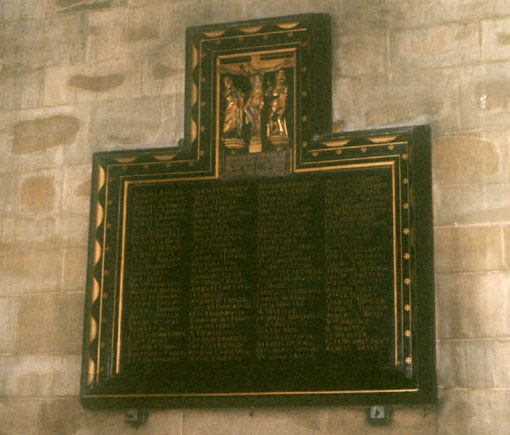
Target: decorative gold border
[(126, 180)]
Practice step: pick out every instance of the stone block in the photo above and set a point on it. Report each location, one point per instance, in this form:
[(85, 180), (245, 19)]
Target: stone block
[(127, 34), (466, 364), (76, 193), (50, 323), (67, 416), (39, 193), (471, 158), (139, 3), (473, 305), (500, 418), (63, 6), (38, 134), (8, 322), (472, 204), (40, 375), (406, 420), (498, 202), (506, 235), (484, 97), (20, 89), (496, 39), (269, 8), (7, 191), (75, 268), (362, 53), (137, 123), (74, 230), (467, 412), (20, 416), (402, 98), (411, 14), (500, 371), (466, 249), (479, 361), (43, 137), (31, 233), (45, 157), (330, 7), (440, 46), (20, 9), (104, 38), (228, 10), (455, 205), (163, 74), (451, 364), (32, 44), (266, 421), (92, 82), (25, 270)]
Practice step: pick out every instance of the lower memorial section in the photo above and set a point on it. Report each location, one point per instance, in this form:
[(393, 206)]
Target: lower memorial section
[(287, 277), (286, 284)]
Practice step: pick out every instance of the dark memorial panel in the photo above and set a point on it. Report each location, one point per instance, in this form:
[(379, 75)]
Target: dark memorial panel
[(262, 271), (264, 261)]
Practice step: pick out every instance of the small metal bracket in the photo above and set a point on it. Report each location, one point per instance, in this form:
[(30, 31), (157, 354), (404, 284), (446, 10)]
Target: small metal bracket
[(379, 414), (136, 417)]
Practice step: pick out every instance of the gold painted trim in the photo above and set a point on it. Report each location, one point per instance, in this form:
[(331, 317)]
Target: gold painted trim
[(249, 29), (288, 26), (100, 178), (95, 289), (100, 323), (252, 53), (194, 57), (97, 252), (165, 157), (366, 146), (214, 33), (193, 130), (91, 370), (336, 142), (250, 35), (125, 159), (99, 215), (401, 249), (194, 94), (264, 393), (121, 275), (92, 329), (395, 257), (382, 139), (348, 166)]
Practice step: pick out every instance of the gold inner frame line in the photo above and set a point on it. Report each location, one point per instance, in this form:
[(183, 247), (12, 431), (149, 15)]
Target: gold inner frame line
[(126, 183)]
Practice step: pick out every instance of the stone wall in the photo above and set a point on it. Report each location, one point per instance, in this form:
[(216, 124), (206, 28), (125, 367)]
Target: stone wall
[(77, 76)]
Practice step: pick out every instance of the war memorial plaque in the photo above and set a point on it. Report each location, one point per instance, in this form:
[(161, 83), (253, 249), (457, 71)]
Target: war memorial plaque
[(265, 262)]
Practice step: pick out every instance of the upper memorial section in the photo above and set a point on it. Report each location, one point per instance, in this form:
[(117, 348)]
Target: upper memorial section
[(256, 86)]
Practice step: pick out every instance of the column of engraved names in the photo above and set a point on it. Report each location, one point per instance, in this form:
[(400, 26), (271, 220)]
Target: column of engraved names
[(220, 304), (289, 278), (359, 264), (154, 275)]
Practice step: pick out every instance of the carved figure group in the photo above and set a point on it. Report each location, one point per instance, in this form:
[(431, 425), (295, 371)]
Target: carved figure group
[(257, 112)]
